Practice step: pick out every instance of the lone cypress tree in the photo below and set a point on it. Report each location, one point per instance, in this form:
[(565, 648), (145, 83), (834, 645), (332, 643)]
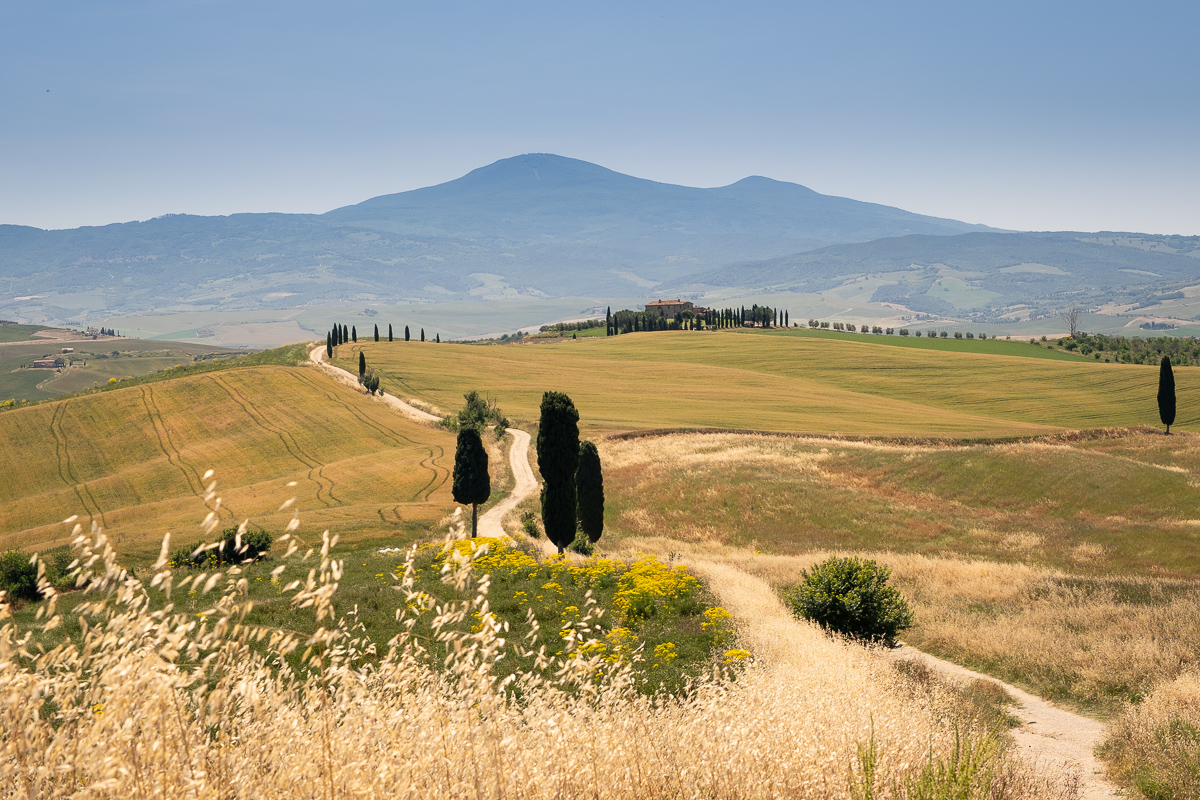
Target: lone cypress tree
[(438, 338), (362, 364), (558, 459), (389, 331), (472, 485), (406, 333), (354, 335), (422, 334), (589, 485), (377, 333), (1166, 393)]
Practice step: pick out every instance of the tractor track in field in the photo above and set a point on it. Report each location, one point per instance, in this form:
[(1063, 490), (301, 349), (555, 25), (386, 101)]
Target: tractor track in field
[(166, 444), (65, 472), (315, 467), (439, 474)]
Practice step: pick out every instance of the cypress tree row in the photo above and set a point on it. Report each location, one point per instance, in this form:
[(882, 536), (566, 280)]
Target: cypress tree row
[(558, 460), (472, 485), (377, 333), (389, 331), (1166, 393), (589, 487)]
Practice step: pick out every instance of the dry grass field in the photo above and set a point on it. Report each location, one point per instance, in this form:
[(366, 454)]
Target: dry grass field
[(759, 381), (159, 704), (133, 459)]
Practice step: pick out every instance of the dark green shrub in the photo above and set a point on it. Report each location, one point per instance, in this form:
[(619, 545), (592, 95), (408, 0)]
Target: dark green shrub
[(530, 524), (255, 544), (17, 576), (582, 545), (850, 596)]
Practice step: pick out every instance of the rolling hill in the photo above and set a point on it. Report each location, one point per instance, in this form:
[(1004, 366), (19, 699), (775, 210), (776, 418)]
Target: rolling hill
[(981, 276), (534, 225), (133, 459)]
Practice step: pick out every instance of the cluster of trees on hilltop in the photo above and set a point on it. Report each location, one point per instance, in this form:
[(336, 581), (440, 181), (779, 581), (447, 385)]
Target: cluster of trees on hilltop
[(1184, 352), (627, 321)]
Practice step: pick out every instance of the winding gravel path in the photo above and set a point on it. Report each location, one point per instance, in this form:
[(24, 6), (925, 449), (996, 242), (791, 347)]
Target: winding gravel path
[(1047, 734), (524, 482), (317, 356)]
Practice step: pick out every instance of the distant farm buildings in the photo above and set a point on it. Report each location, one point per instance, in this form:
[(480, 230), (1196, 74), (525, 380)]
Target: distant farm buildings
[(47, 363), (669, 308)]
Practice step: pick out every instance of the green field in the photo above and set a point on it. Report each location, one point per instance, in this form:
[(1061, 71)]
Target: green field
[(132, 460), (783, 382), (14, 332), (91, 364)]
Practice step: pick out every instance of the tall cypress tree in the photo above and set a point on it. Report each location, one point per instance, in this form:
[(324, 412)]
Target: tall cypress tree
[(1166, 393), (354, 335), (438, 338), (362, 364), (422, 334), (472, 484), (406, 333), (589, 486), (345, 334), (558, 459), (329, 344), (389, 331), (377, 333)]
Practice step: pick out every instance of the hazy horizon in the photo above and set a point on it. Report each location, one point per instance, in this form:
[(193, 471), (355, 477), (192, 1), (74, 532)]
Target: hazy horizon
[(1026, 116)]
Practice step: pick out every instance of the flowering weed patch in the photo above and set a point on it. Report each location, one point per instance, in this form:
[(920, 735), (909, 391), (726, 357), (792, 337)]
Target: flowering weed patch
[(645, 613)]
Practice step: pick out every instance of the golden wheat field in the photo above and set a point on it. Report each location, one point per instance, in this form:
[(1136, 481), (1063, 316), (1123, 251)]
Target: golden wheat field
[(132, 460), (756, 381)]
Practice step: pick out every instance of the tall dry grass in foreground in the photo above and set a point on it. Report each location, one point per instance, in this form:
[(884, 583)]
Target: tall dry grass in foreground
[(1155, 746), (157, 703)]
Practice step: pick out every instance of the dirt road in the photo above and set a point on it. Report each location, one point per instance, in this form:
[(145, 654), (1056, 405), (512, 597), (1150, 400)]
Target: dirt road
[(317, 356), (1048, 735)]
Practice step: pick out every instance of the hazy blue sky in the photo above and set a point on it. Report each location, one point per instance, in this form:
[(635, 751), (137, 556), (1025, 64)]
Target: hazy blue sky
[(1030, 115)]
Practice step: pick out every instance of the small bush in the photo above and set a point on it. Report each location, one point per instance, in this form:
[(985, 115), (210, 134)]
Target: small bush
[(255, 544), (530, 524), (17, 576), (582, 544), (850, 596)]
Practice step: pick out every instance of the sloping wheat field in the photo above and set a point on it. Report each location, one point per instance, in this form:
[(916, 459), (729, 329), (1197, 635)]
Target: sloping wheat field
[(133, 460), (753, 381)]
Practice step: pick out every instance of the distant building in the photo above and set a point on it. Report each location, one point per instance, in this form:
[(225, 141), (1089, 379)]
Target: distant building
[(669, 308), (68, 349), (45, 363)]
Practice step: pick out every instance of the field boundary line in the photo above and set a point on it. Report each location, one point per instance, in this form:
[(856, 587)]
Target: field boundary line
[(1068, 436)]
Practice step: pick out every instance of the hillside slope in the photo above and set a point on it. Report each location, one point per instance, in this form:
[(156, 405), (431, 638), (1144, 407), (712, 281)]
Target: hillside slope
[(781, 381), (535, 225), (984, 276), (133, 459)]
